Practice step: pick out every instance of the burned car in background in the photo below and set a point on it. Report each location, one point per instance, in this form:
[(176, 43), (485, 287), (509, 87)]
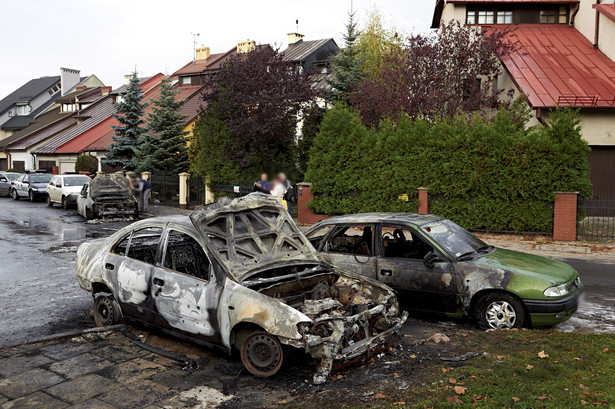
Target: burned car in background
[(239, 275), (107, 195)]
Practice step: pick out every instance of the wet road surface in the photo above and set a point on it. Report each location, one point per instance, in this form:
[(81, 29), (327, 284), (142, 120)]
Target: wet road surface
[(40, 295)]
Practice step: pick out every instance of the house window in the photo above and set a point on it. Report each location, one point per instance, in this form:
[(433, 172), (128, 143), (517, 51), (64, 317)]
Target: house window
[(486, 17), (471, 18), (505, 17), (54, 89), (68, 107), (553, 16), (23, 109), (563, 15), (186, 80)]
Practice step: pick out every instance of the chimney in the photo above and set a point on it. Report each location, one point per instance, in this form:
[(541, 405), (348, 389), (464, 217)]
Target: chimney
[(127, 78), (202, 53), (68, 79), (294, 38), (245, 46), (105, 90)]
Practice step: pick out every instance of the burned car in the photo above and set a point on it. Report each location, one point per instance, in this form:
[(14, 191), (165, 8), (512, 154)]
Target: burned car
[(439, 267), (241, 276), (107, 195)]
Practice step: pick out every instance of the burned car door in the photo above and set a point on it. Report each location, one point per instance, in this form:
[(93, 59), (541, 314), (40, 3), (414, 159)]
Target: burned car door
[(130, 263), (351, 247), (183, 288), (401, 253)]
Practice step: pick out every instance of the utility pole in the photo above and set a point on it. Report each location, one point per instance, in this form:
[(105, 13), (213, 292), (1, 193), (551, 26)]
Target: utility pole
[(194, 36)]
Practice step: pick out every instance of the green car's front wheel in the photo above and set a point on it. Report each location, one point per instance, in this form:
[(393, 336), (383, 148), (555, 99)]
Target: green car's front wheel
[(499, 310)]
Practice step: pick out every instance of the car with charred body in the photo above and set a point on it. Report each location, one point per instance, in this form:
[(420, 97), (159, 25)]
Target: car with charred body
[(239, 275), (64, 189), (107, 195), (6, 181), (30, 185), (437, 266)]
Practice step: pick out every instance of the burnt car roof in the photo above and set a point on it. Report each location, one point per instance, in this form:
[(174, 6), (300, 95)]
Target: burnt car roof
[(399, 217), (110, 185), (251, 233)]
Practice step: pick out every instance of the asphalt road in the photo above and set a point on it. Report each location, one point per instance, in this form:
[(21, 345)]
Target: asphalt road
[(40, 295)]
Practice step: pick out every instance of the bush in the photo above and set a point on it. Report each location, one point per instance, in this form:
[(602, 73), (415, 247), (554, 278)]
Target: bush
[(11, 170), (482, 174), (86, 163)]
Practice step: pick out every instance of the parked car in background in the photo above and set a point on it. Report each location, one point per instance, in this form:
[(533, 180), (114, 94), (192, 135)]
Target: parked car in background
[(437, 266), (107, 195), (64, 189), (6, 179), (239, 275), (30, 185)]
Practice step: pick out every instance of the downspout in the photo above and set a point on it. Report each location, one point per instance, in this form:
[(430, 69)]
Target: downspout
[(597, 25), (573, 14), (540, 118)]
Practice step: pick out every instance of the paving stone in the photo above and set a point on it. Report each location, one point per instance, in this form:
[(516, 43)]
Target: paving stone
[(35, 400), (20, 363), (131, 371), (137, 395), (64, 351), (28, 382), (82, 388), (93, 404), (80, 365), (118, 354), (173, 378)]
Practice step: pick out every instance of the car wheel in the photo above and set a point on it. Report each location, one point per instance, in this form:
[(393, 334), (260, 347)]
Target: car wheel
[(499, 311), (64, 203), (106, 311), (49, 202), (261, 354), (31, 195), (15, 194), (88, 214)]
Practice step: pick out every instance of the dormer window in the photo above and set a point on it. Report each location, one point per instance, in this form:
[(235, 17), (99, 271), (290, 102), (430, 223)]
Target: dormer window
[(553, 16), (505, 17), (186, 80), (68, 107), (486, 17), (520, 14), (54, 89), (22, 109)]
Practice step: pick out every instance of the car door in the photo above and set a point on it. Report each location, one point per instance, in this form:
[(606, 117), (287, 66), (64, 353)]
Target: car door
[(183, 288), (130, 263), (401, 252), (351, 247), (51, 188), (5, 184), (21, 185), (56, 194)]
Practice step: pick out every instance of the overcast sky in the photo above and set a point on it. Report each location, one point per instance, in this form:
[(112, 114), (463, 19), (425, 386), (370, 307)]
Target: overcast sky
[(110, 37)]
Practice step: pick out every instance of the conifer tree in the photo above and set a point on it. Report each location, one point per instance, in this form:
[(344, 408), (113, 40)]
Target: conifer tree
[(164, 145), (128, 135)]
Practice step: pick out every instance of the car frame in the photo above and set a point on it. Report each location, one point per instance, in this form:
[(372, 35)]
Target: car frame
[(254, 299), (107, 195), (497, 288), (6, 181), (25, 186), (59, 192)]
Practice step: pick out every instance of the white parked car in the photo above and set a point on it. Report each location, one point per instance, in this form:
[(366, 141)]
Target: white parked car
[(64, 189)]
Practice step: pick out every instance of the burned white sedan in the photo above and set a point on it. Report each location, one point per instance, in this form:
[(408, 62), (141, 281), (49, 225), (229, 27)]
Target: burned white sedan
[(241, 276)]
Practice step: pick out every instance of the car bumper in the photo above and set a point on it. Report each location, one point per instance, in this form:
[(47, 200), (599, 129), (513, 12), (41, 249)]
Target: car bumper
[(552, 312), (71, 199)]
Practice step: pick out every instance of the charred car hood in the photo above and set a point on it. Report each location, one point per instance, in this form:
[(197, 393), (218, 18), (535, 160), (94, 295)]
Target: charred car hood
[(252, 233), (544, 268), (110, 185)]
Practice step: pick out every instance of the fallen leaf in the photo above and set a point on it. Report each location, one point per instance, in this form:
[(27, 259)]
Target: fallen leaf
[(445, 370), (453, 399), (400, 403), (282, 402), (452, 380), (338, 377), (515, 399), (412, 356), (583, 387), (578, 359), (542, 354), (605, 350), (583, 402), (460, 390), (542, 397), (395, 375), (529, 367), (500, 357), (379, 396)]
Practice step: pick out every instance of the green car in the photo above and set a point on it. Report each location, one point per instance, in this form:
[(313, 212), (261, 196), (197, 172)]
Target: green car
[(437, 266)]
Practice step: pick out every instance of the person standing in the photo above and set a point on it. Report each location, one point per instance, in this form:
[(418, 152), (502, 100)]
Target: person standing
[(289, 194), (263, 185), (278, 191), (142, 189)]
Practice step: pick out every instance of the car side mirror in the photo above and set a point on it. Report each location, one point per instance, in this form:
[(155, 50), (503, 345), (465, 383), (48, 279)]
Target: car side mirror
[(430, 259)]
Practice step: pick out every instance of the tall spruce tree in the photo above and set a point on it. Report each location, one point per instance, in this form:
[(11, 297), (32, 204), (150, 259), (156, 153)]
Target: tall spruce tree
[(347, 65), (128, 135), (164, 144)]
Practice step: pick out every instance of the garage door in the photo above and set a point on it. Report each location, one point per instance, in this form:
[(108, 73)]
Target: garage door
[(67, 167), (602, 172)]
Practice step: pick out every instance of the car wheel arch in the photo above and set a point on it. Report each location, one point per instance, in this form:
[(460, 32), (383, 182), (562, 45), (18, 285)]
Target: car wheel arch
[(486, 291), (241, 330)]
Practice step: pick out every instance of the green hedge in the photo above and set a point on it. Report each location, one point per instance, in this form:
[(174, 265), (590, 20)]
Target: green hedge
[(482, 174)]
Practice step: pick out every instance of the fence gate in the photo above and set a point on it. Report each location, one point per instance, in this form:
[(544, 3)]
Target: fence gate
[(165, 189), (196, 191), (596, 221)]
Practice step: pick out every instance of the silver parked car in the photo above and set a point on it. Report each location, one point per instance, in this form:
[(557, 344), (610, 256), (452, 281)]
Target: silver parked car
[(238, 275), (30, 185), (6, 180)]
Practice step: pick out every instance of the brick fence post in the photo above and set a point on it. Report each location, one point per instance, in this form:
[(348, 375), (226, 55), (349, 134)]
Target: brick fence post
[(565, 216), (304, 214), (423, 200)]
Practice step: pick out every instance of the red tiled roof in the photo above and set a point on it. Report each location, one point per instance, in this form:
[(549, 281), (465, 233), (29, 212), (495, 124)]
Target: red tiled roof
[(79, 144), (198, 66), (557, 65), (607, 10)]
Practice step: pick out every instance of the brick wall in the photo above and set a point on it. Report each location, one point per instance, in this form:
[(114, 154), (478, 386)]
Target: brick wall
[(304, 214), (565, 216), (423, 201)]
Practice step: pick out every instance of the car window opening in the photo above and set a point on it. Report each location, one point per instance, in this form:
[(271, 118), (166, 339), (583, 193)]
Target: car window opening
[(352, 240), (185, 255), (403, 243)]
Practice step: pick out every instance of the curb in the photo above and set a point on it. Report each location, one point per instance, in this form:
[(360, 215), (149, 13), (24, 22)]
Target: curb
[(68, 334)]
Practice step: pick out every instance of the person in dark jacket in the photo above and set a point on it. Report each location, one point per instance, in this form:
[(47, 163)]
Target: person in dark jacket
[(143, 190), (289, 196), (263, 185)]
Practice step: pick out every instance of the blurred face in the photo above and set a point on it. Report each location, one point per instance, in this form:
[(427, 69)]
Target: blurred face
[(263, 177)]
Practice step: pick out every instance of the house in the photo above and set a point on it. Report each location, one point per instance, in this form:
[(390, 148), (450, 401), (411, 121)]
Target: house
[(565, 57), (311, 56)]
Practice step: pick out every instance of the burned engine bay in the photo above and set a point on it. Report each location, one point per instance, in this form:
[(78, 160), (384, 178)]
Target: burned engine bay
[(350, 318)]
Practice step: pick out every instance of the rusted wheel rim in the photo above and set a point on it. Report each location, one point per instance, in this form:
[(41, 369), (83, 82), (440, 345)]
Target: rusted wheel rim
[(262, 354), (104, 311), (500, 314)]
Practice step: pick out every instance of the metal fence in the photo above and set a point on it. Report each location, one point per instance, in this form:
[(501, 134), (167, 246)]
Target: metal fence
[(196, 191), (165, 189), (233, 190), (596, 221)]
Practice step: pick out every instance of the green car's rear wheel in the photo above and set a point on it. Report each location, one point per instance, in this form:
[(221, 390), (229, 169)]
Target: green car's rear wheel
[(499, 310)]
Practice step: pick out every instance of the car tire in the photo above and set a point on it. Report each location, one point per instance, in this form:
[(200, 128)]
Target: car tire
[(262, 354), (106, 311), (49, 202), (64, 203), (499, 310), (14, 194), (31, 195)]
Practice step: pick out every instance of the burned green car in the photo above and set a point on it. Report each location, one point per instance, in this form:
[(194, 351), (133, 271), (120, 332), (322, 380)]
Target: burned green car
[(438, 267)]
